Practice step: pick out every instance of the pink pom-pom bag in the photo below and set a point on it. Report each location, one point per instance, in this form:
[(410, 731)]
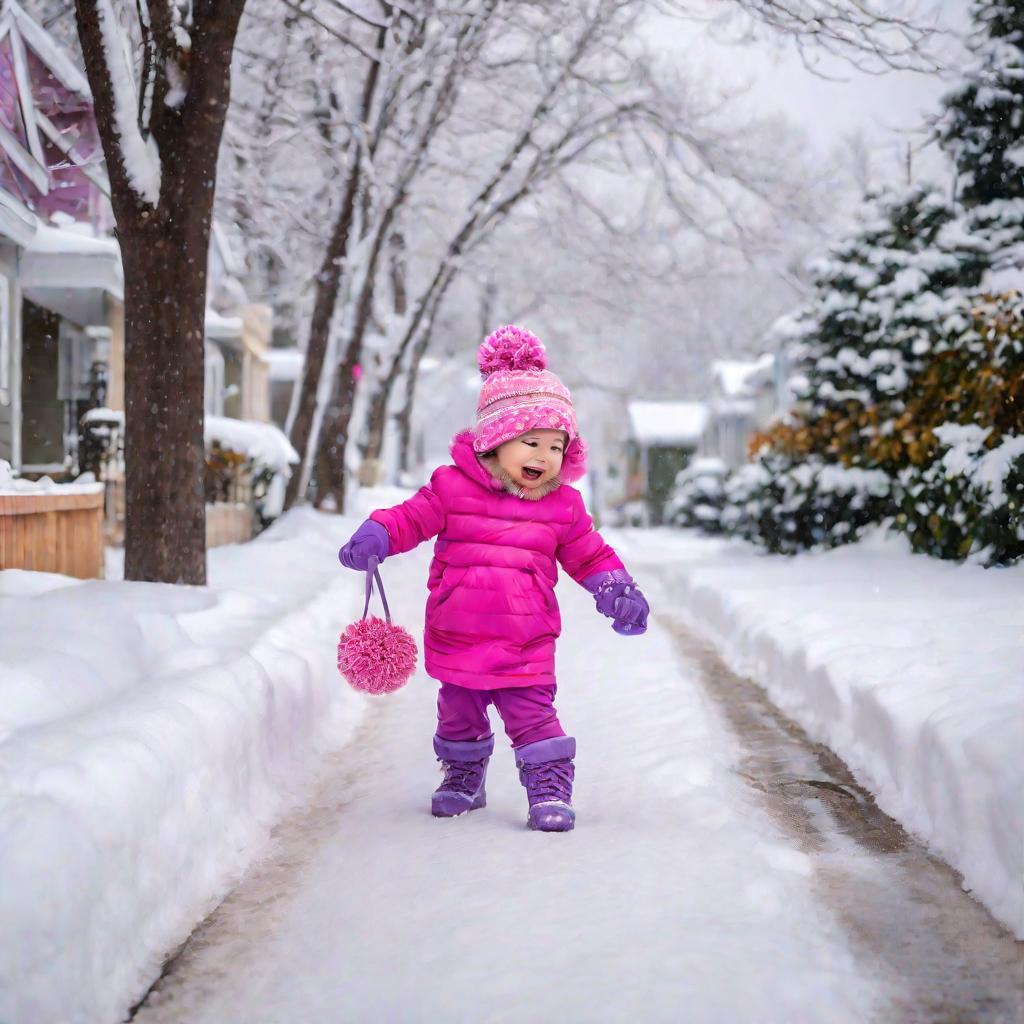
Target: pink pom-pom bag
[(374, 655)]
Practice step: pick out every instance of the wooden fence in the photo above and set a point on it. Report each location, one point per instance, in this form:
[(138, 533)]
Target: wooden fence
[(53, 533), (228, 523)]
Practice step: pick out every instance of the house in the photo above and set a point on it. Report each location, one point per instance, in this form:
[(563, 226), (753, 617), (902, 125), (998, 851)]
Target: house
[(237, 367), (663, 436), (285, 374), (61, 301), (62, 365), (743, 399), (248, 457), (70, 320), (17, 226)]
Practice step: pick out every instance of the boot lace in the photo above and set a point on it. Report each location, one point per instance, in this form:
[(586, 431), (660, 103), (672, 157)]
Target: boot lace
[(551, 780), (462, 776)]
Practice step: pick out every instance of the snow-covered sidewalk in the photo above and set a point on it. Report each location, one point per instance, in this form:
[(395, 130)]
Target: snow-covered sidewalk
[(676, 898), (911, 669), (150, 737)]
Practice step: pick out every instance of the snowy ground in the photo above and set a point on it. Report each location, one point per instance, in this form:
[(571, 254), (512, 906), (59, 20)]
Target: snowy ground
[(149, 738), (674, 899), (684, 894), (150, 744), (911, 669)]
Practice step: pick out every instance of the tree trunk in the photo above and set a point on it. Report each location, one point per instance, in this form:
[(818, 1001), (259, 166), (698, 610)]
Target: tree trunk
[(404, 419), (376, 421), (377, 416), (165, 526), (330, 457), (165, 246), (330, 454), (404, 416)]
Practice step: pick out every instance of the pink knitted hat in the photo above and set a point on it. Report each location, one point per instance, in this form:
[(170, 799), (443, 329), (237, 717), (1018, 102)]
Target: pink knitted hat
[(519, 394)]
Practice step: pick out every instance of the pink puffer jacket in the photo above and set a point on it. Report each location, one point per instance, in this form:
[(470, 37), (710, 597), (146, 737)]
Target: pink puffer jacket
[(492, 617)]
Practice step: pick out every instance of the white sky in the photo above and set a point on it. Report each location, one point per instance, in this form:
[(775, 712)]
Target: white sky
[(888, 109)]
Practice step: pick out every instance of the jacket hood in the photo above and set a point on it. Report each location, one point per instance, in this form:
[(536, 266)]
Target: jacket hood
[(488, 473)]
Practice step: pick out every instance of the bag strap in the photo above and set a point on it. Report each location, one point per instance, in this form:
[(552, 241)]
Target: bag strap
[(373, 573)]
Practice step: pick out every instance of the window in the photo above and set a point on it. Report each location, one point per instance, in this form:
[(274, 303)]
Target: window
[(76, 351)]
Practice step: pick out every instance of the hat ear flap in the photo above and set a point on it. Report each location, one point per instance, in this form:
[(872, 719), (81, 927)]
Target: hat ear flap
[(574, 462)]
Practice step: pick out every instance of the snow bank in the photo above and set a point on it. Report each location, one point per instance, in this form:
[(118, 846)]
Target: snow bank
[(150, 736), (910, 668)]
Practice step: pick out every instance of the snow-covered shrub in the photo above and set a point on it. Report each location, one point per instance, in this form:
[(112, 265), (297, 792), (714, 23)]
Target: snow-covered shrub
[(883, 298), (969, 501), (879, 298), (970, 377), (248, 461), (698, 497), (788, 506), (911, 396)]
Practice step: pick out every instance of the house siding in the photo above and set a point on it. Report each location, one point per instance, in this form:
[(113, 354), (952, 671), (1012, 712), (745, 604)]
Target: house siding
[(9, 408)]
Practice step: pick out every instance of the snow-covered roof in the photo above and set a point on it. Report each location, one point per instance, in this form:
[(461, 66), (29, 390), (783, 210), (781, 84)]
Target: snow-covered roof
[(667, 423), (70, 259), (264, 443), (739, 378), (72, 241), (285, 363)]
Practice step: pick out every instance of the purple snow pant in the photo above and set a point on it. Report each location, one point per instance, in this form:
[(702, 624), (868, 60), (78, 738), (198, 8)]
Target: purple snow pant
[(528, 713)]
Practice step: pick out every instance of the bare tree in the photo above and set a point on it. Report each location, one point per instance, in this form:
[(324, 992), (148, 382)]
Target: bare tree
[(873, 35), (422, 94), (328, 280), (600, 97), (475, 111), (160, 78)]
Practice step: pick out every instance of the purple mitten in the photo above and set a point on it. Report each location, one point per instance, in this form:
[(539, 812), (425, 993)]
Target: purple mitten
[(369, 541), (618, 597)]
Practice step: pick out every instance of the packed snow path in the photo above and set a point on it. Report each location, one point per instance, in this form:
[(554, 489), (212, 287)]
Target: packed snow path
[(690, 889)]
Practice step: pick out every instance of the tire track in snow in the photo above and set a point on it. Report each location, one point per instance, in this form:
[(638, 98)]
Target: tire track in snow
[(905, 910)]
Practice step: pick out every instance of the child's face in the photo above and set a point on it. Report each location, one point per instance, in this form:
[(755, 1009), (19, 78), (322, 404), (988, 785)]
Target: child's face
[(534, 458)]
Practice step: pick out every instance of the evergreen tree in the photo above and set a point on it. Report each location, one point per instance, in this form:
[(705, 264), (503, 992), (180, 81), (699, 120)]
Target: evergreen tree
[(982, 128), (882, 297)]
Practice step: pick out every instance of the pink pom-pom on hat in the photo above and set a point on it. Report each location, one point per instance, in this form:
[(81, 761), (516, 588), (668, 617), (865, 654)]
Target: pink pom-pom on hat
[(519, 393), (511, 348)]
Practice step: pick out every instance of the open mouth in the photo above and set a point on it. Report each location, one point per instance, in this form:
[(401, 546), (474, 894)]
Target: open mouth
[(532, 474)]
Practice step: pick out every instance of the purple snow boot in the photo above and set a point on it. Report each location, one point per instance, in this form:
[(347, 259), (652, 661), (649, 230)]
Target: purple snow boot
[(546, 770), (465, 769)]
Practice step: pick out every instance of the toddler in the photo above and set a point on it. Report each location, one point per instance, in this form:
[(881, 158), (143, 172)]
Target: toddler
[(503, 514)]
